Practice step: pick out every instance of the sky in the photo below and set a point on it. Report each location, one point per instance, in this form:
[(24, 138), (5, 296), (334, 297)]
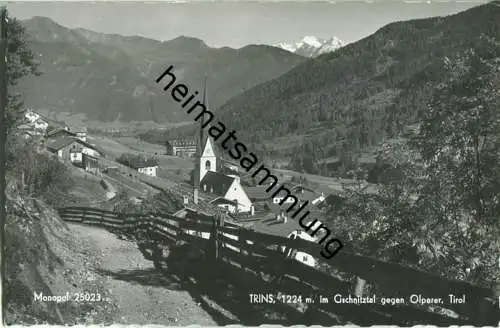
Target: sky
[(237, 23)]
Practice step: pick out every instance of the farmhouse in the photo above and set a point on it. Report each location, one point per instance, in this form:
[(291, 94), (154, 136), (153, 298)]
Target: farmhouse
[(144, 166), (181, 148), (76, 151)]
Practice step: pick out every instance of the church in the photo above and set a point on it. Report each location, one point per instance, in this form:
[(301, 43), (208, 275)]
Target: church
[(228, 189)]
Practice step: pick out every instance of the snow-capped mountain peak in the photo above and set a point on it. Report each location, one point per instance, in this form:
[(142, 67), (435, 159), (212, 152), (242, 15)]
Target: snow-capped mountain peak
[(311, 46), (311, 41)]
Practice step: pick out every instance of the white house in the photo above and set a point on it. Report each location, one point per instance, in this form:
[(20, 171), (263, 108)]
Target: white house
[(303, 257), (231, 194), (31, 116), (151, 170), (40, 125), (144, 166)]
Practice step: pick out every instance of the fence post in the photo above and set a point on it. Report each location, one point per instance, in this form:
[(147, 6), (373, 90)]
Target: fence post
[(213, 252)]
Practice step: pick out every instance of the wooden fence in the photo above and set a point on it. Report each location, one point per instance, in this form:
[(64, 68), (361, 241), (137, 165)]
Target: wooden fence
[(260, 256)]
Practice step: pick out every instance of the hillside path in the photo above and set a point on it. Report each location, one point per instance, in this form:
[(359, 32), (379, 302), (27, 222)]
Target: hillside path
[(143, 295)]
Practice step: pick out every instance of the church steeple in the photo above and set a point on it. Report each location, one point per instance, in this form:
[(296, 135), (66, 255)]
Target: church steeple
[(204, 161), (207, 160), (202, 121)]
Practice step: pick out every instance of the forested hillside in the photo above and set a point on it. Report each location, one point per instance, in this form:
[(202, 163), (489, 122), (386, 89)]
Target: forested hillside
[(343, 103)]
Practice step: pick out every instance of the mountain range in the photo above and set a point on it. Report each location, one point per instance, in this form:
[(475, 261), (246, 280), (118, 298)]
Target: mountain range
[(347, 101), (336, 106), (111, 77), (311, 46)]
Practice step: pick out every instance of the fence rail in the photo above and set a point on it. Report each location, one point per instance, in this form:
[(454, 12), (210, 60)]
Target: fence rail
[(262, 256)]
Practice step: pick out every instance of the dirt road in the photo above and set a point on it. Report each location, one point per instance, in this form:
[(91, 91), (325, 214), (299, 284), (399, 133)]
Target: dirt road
[(143, 295)]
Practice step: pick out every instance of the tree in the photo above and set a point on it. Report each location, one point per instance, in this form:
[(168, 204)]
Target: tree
[(439, 210), (20, 63), (459, 141)]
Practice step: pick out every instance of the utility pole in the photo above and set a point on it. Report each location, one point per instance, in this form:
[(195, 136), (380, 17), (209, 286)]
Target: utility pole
[(3, 127)]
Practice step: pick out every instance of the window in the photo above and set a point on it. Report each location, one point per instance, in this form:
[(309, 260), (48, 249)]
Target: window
[(304, 258), (204, 187), (207, 165)]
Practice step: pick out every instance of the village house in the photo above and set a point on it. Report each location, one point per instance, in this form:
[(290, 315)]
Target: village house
[(91, 163), (302, 257), (76, 151), (302, 193), (26, 130), (259, 197), (31, 116), (182, 148), (144, 166), (271, 202), (228, 189), (40, 125)]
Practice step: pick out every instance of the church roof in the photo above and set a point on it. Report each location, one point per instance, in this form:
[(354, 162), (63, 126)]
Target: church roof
[(222, 201), (217, 182)]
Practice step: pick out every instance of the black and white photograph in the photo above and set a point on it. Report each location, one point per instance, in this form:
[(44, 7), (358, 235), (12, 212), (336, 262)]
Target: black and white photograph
[(245, 162)]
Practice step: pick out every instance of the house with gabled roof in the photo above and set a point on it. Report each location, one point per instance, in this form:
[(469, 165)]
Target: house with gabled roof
[(145, 166), (74, 150)]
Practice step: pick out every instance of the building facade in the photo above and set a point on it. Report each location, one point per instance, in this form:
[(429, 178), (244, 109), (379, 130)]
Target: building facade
[(72, 149), (152, 171), (302, 257), (181, 148), (144, 166)]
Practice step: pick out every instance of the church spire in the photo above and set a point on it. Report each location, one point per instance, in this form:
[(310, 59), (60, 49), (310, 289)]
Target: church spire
[(197, 167), (202, 122)]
